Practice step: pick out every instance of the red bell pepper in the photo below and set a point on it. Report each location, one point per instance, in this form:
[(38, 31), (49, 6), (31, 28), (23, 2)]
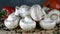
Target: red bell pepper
[(6, 11)]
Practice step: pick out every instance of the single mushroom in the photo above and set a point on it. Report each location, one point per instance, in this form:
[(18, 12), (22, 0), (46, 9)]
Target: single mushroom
[(36, 12), (54, 15), (27, 24), (12, 21), (47, 23), (22, 11)]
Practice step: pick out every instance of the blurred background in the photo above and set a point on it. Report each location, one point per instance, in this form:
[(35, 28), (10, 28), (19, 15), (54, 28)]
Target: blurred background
[(14, 3)]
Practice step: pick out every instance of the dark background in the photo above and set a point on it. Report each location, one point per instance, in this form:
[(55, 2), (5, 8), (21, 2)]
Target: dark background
[(14, 3)]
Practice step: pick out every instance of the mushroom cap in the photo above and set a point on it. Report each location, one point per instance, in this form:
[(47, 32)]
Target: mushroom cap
[(47, 24), (11, 24), (36, 12), (22, 11), (27, 24), (12, 21), (54, 15)]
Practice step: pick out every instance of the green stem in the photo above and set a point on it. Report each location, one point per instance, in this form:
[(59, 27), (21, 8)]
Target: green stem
[(3, 12)]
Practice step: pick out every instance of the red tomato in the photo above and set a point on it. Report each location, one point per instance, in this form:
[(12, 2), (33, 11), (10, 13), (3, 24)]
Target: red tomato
[(54, 4)]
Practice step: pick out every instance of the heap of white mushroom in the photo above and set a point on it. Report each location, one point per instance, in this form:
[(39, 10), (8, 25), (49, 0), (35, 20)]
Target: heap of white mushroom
[(29, 17)]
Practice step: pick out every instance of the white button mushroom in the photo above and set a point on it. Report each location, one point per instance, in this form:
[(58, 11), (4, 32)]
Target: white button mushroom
[(54, 15), (36, 12), (47, 23), (27, 24), (22, 11), (12, 21)]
